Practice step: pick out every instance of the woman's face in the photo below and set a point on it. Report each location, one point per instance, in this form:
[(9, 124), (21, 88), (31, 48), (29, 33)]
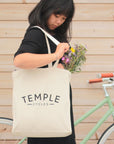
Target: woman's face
[(55, 20)]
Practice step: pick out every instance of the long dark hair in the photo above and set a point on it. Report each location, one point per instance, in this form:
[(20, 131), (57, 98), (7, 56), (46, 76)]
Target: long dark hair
[(40, 14)]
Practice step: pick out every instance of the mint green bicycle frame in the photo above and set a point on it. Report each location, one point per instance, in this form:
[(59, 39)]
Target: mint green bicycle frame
[(98, 106)]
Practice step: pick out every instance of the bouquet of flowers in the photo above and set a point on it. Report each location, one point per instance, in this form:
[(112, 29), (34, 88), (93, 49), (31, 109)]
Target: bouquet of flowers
[(74, 58)]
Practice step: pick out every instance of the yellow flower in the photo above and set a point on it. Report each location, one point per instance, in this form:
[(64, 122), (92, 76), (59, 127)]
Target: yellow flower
[(72, 49)]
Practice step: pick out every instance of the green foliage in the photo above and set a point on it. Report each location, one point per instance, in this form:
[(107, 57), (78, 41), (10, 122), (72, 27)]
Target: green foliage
[(74, 58)]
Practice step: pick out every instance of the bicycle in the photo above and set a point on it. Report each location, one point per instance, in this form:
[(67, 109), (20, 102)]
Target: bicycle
[(110, 130), (6, 127)]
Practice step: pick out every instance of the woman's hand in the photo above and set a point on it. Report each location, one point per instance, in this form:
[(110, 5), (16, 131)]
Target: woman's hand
[(61, 49), (60, 66)]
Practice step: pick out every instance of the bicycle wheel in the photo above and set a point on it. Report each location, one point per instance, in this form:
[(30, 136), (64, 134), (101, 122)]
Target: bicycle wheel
[(108, 136), (6, 136)]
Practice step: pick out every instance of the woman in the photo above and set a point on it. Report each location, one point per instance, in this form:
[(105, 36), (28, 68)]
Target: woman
[(55, 17)]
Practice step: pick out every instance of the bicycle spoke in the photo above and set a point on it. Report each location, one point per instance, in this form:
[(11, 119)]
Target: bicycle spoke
[(108, 136)]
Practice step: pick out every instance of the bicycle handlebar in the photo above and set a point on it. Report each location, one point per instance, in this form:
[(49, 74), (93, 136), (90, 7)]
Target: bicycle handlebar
[(95, 80), (100, 80), (104, 75)]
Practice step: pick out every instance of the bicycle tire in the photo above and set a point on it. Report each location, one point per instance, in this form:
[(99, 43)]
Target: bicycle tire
[(107, 135), (6, 136)]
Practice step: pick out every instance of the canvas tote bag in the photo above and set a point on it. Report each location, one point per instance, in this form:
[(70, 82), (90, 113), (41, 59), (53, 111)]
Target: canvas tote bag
[(41, 101)]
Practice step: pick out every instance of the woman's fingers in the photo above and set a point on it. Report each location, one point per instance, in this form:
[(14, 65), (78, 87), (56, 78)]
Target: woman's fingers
[(60, 66), (61, 49)]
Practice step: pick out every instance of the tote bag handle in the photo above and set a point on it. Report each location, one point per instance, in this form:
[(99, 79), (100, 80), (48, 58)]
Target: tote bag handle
[(56, 42)]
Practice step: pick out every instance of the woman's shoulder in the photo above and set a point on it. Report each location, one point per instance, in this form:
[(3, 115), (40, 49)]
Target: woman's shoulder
[(34, 29), (34, 33)]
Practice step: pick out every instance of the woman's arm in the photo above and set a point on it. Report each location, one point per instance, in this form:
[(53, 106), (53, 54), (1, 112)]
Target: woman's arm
[(29, 60)]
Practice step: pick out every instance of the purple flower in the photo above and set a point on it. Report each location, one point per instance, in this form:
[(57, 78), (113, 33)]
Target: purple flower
[(63, 58), (67, 60), (74, 54)]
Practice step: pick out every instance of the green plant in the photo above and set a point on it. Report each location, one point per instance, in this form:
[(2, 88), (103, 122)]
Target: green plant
[(74, 58)]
